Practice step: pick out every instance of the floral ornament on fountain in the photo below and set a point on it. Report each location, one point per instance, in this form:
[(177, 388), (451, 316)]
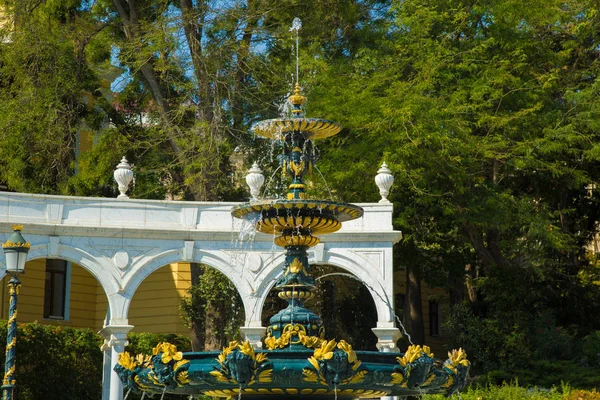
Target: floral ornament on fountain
[(416, 370), (334, 365), (166, 367), (457, 367), (239, 364), (294, 334)]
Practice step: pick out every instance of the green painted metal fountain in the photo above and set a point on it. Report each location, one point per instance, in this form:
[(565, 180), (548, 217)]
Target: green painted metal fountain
[(298, 361)]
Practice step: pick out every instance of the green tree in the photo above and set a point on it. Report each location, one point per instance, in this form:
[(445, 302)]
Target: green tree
[(486, 112), (43, 80)]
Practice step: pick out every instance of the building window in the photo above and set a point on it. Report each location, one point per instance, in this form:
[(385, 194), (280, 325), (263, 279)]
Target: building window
[(56, 293), (434, 318)]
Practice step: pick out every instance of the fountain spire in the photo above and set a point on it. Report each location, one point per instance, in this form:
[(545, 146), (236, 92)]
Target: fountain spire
[(298, 360)]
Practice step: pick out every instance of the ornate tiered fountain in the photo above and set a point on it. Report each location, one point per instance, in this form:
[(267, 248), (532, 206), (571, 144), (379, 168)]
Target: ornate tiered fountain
[(298, 361)]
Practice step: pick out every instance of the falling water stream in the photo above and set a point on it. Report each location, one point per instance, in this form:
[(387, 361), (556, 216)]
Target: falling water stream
[(269, 182), (127, 394), (324, 181), (296, 26), (387, 303), (163, 393), (143, 395), (240, 393)]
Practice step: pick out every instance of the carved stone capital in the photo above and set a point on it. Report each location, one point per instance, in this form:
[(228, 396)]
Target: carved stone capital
[(387, 339), (114, 336), (254, 334)]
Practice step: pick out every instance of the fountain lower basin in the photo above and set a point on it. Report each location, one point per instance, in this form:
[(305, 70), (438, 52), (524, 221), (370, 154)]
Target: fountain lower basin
[(332, 368)]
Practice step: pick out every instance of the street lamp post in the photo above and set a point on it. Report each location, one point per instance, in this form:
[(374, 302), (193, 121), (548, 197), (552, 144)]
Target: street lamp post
[(15, 251)]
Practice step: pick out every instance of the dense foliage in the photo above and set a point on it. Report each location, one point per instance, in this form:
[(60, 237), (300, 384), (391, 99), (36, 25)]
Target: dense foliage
[(213, 305), (486, 111), (75, 370), (68, 361), (516, 392)]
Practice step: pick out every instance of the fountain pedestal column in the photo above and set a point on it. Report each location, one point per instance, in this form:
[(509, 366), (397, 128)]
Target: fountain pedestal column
[(115, 340)]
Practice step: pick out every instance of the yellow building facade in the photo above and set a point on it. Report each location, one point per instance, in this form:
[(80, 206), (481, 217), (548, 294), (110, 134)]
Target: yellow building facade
[(154, 308)]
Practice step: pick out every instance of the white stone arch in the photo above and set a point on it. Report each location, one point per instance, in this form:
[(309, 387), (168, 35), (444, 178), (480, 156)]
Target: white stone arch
[(357, 266), (107, 281), (267, 280), (346, 260), (218, 260)]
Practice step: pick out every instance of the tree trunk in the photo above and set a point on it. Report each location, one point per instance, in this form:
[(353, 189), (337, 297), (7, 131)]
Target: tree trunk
[(214, 325), (470, 274), (457, 291), (197, 325), (242, 56), (413, 309), (130, 28)]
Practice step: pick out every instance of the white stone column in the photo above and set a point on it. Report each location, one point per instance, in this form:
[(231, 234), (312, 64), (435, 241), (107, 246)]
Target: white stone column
[(115, 340), (106, 372), (388, 337)]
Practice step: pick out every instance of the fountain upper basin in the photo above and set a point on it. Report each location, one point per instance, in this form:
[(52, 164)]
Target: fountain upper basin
[(312, 128)]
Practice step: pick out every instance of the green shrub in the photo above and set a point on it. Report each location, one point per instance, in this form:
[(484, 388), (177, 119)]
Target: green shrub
[(144, 342), (480, 338), (66, 360), (583, 395), (545, 373), (551, 342), (64, 363), (591, 349), (505, 392)]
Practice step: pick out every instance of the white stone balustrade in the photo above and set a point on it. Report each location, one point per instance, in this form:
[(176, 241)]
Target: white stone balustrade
[(181, 219)]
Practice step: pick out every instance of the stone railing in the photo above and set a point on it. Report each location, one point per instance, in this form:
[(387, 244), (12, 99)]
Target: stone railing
[(43, 212)]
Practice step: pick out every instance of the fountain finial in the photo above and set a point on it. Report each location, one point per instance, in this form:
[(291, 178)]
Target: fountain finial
[(297, 100)]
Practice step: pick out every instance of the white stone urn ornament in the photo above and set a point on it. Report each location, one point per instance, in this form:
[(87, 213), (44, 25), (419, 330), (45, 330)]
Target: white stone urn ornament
[(384, 180), (255, 180), (123, 175)]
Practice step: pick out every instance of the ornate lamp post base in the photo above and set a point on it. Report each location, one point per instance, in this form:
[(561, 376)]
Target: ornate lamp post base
[(11, 341)]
